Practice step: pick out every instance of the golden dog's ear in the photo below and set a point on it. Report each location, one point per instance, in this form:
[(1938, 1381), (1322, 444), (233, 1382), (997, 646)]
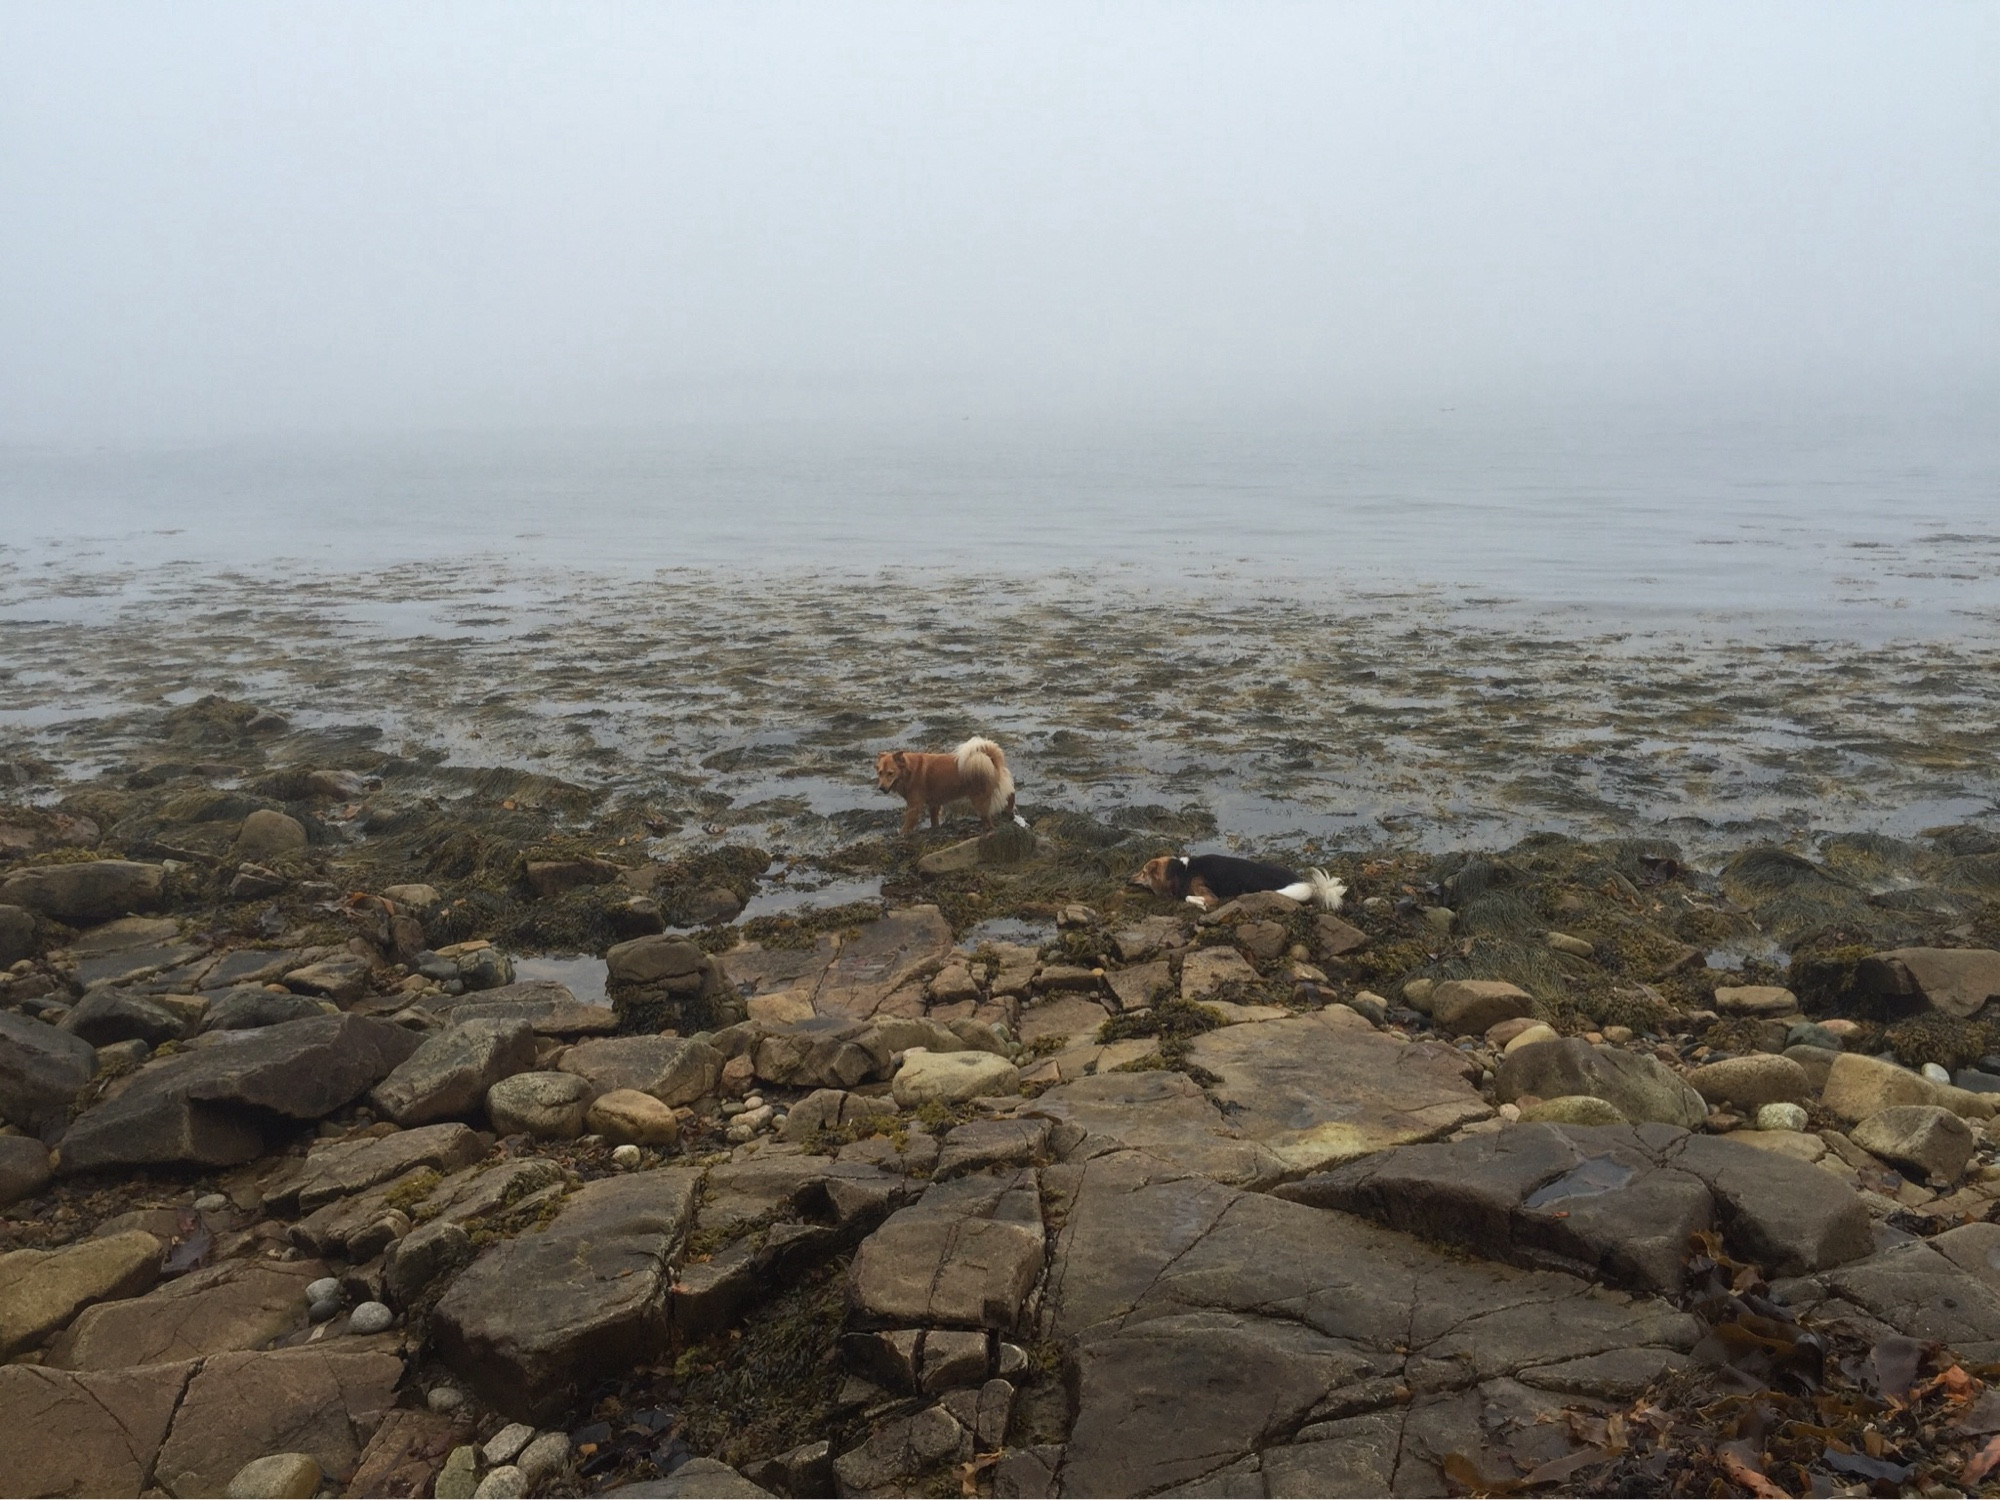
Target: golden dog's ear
[(902, 757)]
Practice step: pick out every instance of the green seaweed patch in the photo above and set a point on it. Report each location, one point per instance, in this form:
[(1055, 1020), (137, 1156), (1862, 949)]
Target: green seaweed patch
[(1940, 1039), (1174, 1024), (412, 1190), (771, 1385), (936, 1117), (794, 929)]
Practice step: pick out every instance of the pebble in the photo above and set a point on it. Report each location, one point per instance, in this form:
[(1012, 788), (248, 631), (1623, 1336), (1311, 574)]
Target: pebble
[(371, 1317), (1935, 1073), (504, 1483), (626, 1158), (445, 1398), (755, 1119), (211, 1203), (505, 1445), (319, 1312), (327, 1288), (1781, 1117), (754, 1101)]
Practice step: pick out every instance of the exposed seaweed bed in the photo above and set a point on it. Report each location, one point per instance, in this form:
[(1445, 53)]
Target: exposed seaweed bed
[(1699, 811)]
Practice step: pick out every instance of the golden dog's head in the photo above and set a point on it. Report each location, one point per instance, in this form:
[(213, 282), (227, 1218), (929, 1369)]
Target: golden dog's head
[(1153, 876), (891, 766)]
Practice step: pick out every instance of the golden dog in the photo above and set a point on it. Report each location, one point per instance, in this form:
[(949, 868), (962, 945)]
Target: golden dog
[(975, 772)]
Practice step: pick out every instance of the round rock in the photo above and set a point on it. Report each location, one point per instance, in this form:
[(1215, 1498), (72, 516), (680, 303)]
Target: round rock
[(1781, 1117), (505, 1483), (1749, 1083), (294, 1475), (1572, 1109), (371, 1317), (326, 1289), (627, 1115), (627, 1157)]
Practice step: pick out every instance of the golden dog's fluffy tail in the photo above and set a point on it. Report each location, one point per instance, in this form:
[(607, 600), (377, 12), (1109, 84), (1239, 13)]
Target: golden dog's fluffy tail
[(982, 760)]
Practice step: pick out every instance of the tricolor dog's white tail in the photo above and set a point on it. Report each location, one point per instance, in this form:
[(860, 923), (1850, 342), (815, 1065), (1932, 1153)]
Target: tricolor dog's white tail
[(1000, 793), (1318, 887)]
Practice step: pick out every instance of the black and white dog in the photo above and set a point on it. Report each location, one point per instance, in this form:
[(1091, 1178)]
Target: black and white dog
[(1208, 880)]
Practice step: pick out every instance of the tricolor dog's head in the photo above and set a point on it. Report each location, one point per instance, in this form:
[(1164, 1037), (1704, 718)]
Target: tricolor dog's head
[(1157, 875), (891, 766)]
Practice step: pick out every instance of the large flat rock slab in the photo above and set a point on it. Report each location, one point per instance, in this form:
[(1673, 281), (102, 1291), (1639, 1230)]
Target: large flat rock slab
[(207, 1107), (1614, 1203), (91, 890), (321, 1401), (1957, 981), (535, 1318), (890, 957), (1221, 1336), (240, 1304), (1326, 1088), (965, 1255), (1163, 1114), (97, 1433)]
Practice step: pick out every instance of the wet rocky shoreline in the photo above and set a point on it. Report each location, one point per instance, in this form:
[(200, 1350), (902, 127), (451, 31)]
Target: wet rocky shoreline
[(1570, 1165)]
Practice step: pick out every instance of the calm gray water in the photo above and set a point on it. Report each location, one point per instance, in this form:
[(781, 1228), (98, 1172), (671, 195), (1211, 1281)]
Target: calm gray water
[(1866, 523)]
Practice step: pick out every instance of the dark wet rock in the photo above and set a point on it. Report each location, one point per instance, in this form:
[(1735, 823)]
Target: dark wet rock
[(1467, 1007), (85, 1434), (696, 1479), (254, 882), (343, 1168), (1922, 1139), (804, 1470), (901, 1450), (548, 1106), (981, 1144), (1811, 1034), (551, 877), (1261, 1315), (1608, 1201), (448, 1076), (251, 1007), (1918, 1290), (240, 1406), (674, 1070), (600, 1275), (659, 981), (1751, 1082), (966, 1255), (239, 1304), (826, 1052), (41, 1070), (551, 1008), (1641, 1088), (780, 1182), (17, 934), (423, 1258), (90, 891), (1956, 981), (268, 834), (107, 1016), (24, 1168), (342, 978), (1973, 1081), (1325, 1088), (208, 1107)]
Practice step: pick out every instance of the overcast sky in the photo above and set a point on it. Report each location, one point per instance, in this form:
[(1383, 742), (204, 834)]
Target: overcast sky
[(236, 218)]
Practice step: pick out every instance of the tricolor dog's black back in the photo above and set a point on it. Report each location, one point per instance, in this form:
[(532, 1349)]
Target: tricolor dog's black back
[(1227, 876)]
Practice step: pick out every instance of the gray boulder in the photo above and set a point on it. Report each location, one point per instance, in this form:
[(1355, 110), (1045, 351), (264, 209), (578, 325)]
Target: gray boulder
[(94, 890), (1641, 1088), (17, 934), (1751, 1082), (599, 1281), (106, 1016), (268, 834), (448, 1076), (674, 1070), (207, 1107), (251, 1007), (548, 1106), (1922, 1139), (24, 1168), (830, 1052), (41, 1069), (1467, 1007), (1957, 981)]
